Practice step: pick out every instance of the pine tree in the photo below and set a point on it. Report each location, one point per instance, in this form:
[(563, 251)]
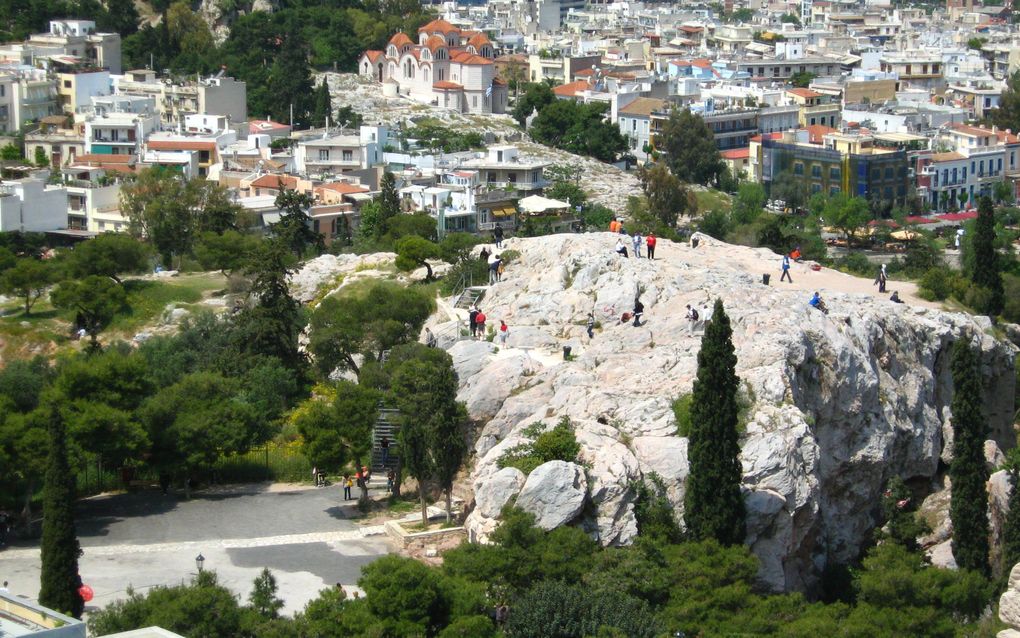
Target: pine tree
[(968, 508), (59, 578), (714, 506), (987, 273)]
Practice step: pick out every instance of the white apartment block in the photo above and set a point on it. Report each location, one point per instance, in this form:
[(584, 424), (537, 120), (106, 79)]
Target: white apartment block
[(29, 205)]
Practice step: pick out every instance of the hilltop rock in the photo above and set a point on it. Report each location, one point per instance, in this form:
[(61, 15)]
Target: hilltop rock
[(833, 406), (327, 273)]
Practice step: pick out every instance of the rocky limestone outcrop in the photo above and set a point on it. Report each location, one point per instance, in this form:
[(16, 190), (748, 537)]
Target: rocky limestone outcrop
[(836, 404), (1009, 605), (554, 492), (327, 273)]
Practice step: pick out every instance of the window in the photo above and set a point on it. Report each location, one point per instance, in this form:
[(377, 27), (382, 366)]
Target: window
[(887, 192), (890, 172), (816, 188), (67, 84), (348, 156), (474, 101), (1000, 164), (833, 190), (323, 154), (816, 171), (834, 172), (876, 175), (3, 90), (812, 123), (798, 168)]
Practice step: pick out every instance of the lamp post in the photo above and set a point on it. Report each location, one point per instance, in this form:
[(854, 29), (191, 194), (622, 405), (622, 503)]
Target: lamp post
[(199, 562)]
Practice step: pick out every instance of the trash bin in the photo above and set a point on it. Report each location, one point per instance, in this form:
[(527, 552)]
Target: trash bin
[(566, 353), (765, 278)]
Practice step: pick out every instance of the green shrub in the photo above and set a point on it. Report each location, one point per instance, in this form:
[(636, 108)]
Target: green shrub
[(509, 256), (682, 411), (978, 298), (557, 444), (856, 263), (936, 284)]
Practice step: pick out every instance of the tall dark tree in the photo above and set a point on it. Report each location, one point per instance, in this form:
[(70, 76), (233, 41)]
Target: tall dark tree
[(1007, 114), (290, 82), (690, 149), (714, 506), (667, 197), (59, 579), (271, 325), (389, 198), (322, 108), (987, 268), (294, 230), (968, 507)]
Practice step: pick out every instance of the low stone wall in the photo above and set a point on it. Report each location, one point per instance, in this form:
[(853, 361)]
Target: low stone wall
[(425, 544)]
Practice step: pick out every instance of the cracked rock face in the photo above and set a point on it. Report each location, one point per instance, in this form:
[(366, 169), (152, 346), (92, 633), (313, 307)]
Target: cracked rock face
[(836, 404)]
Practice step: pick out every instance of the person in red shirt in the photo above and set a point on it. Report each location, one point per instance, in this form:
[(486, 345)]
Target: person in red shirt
[(480, 324), (650, 244)]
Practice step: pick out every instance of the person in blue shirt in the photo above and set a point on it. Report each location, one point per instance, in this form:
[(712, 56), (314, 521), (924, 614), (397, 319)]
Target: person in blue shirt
[(786, 269), (816, 302)]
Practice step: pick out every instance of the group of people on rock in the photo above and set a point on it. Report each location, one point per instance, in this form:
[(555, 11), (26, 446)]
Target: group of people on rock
[(636, 241)]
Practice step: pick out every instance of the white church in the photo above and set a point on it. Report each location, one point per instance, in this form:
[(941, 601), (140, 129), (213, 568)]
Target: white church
[(448, 67)]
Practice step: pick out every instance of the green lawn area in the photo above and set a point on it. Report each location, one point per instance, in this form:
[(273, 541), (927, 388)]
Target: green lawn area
[(47, 328), (712, 199)]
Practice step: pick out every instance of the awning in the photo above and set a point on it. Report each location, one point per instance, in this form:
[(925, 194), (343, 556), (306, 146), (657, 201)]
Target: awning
[(503, 212)]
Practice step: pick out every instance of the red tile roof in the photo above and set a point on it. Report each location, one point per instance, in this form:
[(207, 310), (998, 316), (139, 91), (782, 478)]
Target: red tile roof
[(179, 145), (805, 93), (736, 153), (105, 159), (816, 132), (446, 85), (373, 56), (571, 89), (434, 42), (344, 188), (399, 39), (275, 181), (439, 26)]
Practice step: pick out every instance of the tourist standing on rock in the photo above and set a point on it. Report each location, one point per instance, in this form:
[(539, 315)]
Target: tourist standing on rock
[(484, 255), (348, 484), (504, 332), (473, 320), (692, 319), (880, 280), (613, 225), (497, 235), (591, 325), (786, 269), (430, 339), (620, 248), (650, 244), (639, 309), (636, 240), (480, 324), (384, 445)]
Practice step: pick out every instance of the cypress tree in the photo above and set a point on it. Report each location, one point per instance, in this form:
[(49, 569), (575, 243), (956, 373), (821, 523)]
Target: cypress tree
[(323, 105), (714, 506), (59, 579), (987, 273), (389, 198), (968, 507)]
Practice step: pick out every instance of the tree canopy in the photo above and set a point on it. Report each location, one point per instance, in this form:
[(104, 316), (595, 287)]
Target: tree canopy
[(579, 128), (689, 147)]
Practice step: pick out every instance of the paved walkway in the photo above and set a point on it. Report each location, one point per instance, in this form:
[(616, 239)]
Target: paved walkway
[(140, 540)]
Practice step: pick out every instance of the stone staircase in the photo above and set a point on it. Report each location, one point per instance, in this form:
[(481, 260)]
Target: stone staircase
[(469, 296), (386, 424)]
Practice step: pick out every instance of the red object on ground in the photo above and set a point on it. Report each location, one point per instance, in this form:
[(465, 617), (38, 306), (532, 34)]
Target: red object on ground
[(86, 593), (816, 267)]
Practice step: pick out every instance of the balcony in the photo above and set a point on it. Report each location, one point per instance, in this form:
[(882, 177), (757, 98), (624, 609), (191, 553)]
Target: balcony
[(525, 186)]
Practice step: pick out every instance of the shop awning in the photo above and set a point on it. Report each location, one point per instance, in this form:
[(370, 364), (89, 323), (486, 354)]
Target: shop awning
[(504, 212)]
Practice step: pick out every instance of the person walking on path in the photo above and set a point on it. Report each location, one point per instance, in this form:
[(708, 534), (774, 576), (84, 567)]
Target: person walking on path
[(473, 320), (384, 445), (498, 236), (504, 332), (692, 319), (786, 269), (430, 339), (620, 248), (650, 245), (636, 241), (494, 263), (480, 324), (639, 309), (389, 480), (484, 255), (348, 484), (591, 325), (881, 280)]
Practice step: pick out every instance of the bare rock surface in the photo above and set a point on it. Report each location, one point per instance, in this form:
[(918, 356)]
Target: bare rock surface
[(834, 405)]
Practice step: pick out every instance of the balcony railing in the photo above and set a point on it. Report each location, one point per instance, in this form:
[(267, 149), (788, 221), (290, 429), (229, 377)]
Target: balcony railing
[(527, 186)]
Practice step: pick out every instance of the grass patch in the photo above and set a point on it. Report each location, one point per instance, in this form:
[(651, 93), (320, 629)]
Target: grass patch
[(557, 444), (147, 299), (712, 200)]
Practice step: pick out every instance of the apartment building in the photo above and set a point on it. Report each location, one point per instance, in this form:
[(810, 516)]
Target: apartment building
[(216, 95), (918, 69), (337, 153), (635, 122), (72, 41), (847, 163), (60, 140), (118, 124), (814, 108), (196, 152), (93, 199), (30, 205), (8, 105), (35, 97), (75, 89), (977, 159)]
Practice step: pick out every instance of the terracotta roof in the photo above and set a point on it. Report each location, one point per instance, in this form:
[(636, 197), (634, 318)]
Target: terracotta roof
[(498, 82), (399, 39), (373, 56), (179, 145), (688, 29), (439, 26), (767, 136), (736, 153), (257, 126), (105, 159), (343, 188), (444, 85), (981, 131), (478, 41), (571, 89), (703, 63), (434, 42), (643, 106), (463, 57), (583, 73), (816, 132), (275, 181), (805, 93)]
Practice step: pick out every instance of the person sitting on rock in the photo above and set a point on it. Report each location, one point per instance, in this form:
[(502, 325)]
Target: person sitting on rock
[(895, 297), (621, 249), (639, 309), (816, 302)]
